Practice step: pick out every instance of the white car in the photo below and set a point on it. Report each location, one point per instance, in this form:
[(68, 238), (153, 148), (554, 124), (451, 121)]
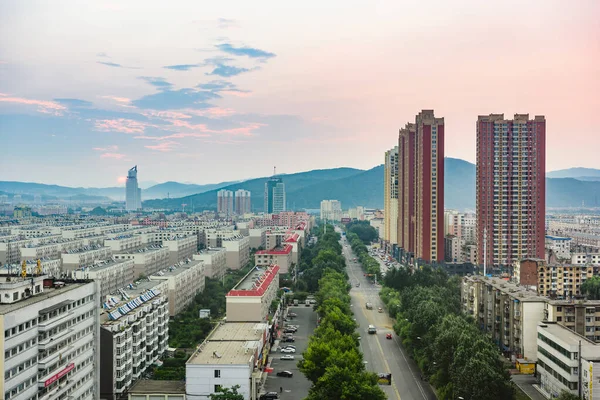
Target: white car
[(287, 357), (288, 350)]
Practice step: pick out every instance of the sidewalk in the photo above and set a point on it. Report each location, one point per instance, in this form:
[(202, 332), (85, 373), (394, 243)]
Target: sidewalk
[(528, 383)]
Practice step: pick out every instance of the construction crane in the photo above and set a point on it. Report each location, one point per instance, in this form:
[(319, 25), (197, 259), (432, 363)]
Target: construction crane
[(24, 269), (38, 269)]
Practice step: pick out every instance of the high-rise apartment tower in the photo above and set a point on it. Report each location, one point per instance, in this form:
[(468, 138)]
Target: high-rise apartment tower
[(225, 202), (274, 196), (243, 203), (511, 188), (133, 194), (390, 197)]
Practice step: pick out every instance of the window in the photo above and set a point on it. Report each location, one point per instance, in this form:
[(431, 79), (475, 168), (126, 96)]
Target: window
[(217, 373), (217, 388)]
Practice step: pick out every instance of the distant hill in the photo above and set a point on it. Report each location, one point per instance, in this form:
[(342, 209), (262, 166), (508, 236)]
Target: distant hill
[(176, 189), (577, 173), (293, 182), (459, 184)]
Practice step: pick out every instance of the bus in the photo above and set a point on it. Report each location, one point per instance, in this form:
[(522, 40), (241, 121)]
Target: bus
[(372, 329)]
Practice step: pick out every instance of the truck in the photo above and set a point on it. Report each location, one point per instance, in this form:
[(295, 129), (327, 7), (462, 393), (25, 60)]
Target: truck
[(369, 306), (307, 303), (372, 330), (296, 302)]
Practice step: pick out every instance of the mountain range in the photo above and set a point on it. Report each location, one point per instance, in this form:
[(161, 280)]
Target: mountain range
[(571, 187)]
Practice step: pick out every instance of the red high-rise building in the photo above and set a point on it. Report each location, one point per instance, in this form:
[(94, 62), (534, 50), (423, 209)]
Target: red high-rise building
[(421, 188), (511, 188)]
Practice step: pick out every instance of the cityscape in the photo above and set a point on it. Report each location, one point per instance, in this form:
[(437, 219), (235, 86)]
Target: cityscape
[(334, 201)]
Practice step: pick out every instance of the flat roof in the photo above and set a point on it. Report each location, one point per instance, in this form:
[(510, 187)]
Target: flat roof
[(277, 250), (557, 237), (520, 293), (103, 265), (87, 248), (566, 335), (229, 343), (149, 386), (176, 269), (46, 294), (142, 250), (256, 282)]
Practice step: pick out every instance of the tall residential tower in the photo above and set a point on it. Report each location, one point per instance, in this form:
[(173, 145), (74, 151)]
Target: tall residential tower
[(511, 188), (274, 196), (421, 188), (133, 194), (390, 197), (225, 202), (243, 203)]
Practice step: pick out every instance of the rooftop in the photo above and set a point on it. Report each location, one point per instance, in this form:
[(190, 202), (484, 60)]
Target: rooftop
[(518, 292), (87, 248), (286, 249), (143, 250), (148, 386), (230, 343), (177, 269), (103, 264), (567, 336), (552, 237), (128, 299), (256, 282)]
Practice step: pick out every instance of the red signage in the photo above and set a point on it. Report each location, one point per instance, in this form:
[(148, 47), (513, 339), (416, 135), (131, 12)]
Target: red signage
[(59, 375)]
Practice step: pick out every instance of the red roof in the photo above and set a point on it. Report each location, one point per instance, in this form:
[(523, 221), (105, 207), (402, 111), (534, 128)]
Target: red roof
[(293, 238), (283, 250), (259, 290)]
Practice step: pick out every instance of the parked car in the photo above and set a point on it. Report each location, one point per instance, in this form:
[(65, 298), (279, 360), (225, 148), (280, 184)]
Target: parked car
[(288, 350), (290, 330), (285, 374), (287, 357), (388, 335), (292, 315), (289, 339), (358, 285), (290, 346), (269, 396)]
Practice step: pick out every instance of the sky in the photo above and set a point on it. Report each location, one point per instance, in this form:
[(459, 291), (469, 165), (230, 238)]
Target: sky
[(204, 92)]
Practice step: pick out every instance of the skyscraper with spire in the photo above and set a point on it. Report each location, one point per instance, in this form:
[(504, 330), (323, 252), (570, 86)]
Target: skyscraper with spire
[(133, 194), (275, 200)]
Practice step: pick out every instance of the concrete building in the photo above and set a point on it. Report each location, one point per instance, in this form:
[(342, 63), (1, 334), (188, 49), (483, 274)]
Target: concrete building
[(585, 259), (390, 197), (331, 210), (525, 273), (125, 242), (511, 188), (133, 194), (52, 249), (453, 248), (238, 251), (243, 202), (51, 267), (10, 248), (275, 201), (508, 312), (281, 256), (421, 189), (50, 338), (148, 260), (232, 354), (181, 247), (184, 281), (580, 316), (215, 262), (84, 257), (134, 333), (560, 357), (258, 237), (357, 213), (156, 390), (225, 202), (559, 246), (110, 275), (563, 280), (251, 298)]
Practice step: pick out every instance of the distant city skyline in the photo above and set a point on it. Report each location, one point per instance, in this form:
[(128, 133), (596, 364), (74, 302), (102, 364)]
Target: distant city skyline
[(230, 85)]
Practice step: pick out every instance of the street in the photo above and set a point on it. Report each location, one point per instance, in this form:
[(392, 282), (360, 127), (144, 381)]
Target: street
[(382, 355)]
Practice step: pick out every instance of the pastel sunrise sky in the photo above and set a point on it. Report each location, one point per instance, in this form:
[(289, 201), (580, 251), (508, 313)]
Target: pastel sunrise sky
[(203, 92)]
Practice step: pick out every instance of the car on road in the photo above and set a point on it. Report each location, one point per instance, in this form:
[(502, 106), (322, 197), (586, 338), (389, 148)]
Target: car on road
[(358, 285), (285, 374), (290, 330), (289, 339), (287, 350), (388, 335), (292, 315), (380, 309), (269, 396), (287, 357)]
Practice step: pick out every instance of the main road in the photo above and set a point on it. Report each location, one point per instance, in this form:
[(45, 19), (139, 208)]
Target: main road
[(382, 355)]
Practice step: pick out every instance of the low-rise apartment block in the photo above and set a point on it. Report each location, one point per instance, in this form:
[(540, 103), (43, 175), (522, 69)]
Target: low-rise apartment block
[(85, 257), (184, 281), (581, 316), (215, 262), (281, 256), (510, 313), (559, 246), (52, 267), (51, 249), (156, 390), (525, 272), (563, 280), (125, 243), (50, 337), (134, 333), (238, 251), (147, 260), (181, 247), (585, 258), (258, 237), (565, 360), (110, 275), (251, 298), (233, 354)]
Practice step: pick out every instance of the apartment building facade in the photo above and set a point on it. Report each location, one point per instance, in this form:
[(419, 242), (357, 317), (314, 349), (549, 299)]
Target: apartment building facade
[(181, 247), (110, 275), (251, 298), (85, 257), (331, 210), (183, 282), (50, 337), (238, 251), (51, 249), (563, 280), (559, 246), (511, 188), (215, 262), (390, 197), (281, 256), (147, 260)]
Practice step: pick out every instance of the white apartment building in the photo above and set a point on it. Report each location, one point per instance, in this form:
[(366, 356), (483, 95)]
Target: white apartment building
[(561, 355), (50, 249), (281, 256), (510, 313), (124, 243), (215, 262), (50, 337), (251, 298), (10, 248), (214, 237), (357, 213), (238, 251), (390, 197), (232, 354), (134, 334), (36, 230), (258, 237), (585, 258), (560, 246), (331, 210), (110, 275), (181, 247), (50, 267), (147, 260), (85, 257), (184, 281)]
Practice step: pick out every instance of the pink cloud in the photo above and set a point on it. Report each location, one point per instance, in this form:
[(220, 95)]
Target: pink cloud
[(121, 179), (116, 156), (118, 99), (237, 93), (121, 125), (46, 107), (109, 148), (214, 112), (167, 114), (246, 130), (163, 146)]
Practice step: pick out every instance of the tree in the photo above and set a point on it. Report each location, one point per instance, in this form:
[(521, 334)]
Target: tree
[(227, 394), (591, 288), (343, 383), (564, 395)]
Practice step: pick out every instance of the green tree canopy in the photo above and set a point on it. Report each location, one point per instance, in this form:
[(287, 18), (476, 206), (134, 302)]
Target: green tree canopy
[(591, 288), (227, 394)]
